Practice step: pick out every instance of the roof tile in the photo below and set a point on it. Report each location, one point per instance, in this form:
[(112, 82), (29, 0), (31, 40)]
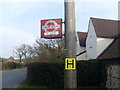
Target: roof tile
[(106, 28), (82, 38)]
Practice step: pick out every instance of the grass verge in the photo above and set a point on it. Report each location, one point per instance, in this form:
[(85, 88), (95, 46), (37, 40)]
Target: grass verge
[(25, 86)]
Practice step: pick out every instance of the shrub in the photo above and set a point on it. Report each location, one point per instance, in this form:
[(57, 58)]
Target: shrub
[(51, 74), (46, 74), (4, 66), (11, 65), (8, 65), (91, 73)]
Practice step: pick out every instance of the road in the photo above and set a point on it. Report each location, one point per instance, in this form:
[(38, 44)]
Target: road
[(11, 79)]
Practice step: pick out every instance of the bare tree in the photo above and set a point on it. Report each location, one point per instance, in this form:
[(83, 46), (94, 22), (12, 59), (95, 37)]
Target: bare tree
[(19, 53), (46, 50), (30, 51), (50, 49), (24, 50)]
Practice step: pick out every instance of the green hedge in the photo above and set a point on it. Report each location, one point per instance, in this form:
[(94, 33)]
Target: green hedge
[(51, 74), (11, 65), (46, 74), (91, 73)]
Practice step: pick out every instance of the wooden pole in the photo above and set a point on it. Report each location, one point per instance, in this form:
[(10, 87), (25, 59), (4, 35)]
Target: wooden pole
[(70, 79)]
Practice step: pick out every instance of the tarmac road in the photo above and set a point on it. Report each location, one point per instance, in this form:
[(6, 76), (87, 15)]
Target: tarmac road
[(11, 79)]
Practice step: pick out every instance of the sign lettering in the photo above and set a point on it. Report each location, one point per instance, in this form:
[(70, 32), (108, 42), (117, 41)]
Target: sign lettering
[(51, 28), (70, 64)]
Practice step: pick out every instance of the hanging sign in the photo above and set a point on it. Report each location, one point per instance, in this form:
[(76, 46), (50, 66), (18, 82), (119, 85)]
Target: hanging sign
[(51, 28)]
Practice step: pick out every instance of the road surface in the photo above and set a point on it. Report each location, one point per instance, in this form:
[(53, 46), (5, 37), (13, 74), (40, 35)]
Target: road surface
[(11, 79)]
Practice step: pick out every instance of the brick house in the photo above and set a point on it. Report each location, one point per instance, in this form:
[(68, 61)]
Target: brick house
[(10, 59)]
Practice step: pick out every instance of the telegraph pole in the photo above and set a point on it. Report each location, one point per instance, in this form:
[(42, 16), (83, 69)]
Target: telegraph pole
[(70, 78)]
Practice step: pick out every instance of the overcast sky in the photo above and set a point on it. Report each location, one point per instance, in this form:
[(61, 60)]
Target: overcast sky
[(20, 19)]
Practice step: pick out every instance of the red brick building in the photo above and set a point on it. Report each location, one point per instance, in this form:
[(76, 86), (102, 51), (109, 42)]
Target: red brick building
[(10, 59)]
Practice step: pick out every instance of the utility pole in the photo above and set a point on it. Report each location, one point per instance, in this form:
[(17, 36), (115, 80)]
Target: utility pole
[(70, 78)]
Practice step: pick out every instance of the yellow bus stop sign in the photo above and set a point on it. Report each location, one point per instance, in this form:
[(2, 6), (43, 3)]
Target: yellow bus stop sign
[(70, 64)]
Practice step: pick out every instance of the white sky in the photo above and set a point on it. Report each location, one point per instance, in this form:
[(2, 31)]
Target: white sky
[(19, 19)]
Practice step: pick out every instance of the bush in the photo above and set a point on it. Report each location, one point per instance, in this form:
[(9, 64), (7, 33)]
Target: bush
[(51, 74), (46, 74), (5, 66), (91, 73), (11, 65), (8, 65)]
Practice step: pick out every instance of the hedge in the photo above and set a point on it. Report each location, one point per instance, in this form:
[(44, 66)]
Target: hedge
[(11, 65), (46, 74), (51, 74), (91, 73)]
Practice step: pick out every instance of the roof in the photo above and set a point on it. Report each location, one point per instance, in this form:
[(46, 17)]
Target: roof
[(106, 28), (82, 38), (112, 51), (10, 58)]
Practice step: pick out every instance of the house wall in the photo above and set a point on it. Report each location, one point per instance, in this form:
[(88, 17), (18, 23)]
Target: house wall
[(80, 49), (102, 44), (91, 42), (82, 56), (113, 77), (77, 45)]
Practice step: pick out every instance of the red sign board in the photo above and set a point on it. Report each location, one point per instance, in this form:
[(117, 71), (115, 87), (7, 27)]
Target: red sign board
[(51, 28)]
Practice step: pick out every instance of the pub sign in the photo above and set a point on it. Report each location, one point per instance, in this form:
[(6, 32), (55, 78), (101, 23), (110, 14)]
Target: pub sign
[(51, 28)]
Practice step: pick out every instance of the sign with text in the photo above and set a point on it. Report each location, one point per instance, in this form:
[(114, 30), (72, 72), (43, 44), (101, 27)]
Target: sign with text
[(70, 64), (51, 28)]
